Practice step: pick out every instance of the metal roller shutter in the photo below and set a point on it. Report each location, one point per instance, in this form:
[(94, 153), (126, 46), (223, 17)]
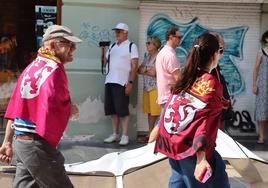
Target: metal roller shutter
[(215, 16)]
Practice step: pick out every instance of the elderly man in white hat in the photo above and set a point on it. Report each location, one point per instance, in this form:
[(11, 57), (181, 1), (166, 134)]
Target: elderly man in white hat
[(38, 113), (121, 60)]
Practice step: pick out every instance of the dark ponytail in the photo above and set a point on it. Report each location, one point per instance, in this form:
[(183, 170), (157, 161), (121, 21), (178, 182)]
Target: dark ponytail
[(198, 58)]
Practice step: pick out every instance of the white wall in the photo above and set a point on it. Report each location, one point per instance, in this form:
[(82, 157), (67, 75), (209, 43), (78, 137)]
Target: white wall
[(93, 21)]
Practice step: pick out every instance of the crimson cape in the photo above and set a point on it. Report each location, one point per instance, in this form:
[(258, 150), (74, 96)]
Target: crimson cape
[(41, 96), (190, 120)]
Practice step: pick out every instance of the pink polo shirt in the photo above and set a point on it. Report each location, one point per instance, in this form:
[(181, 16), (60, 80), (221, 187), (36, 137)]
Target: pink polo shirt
[(166, 63)]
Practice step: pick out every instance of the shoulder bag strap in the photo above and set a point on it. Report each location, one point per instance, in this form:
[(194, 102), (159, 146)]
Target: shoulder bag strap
[(108, 61)]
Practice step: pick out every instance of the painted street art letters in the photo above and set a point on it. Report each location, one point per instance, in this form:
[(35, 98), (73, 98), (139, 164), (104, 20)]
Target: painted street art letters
[(92, 34)]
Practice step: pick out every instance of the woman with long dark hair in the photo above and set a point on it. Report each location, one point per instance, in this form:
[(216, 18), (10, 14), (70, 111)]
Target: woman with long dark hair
[(192, 116)]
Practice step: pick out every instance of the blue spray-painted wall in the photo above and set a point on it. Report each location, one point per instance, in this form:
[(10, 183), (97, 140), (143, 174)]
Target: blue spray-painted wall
[(230, 63), (234, 40)]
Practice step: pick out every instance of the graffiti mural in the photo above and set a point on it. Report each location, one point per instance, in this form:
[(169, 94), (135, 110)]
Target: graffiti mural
[(233, 54), (92, 34), (236, 121)]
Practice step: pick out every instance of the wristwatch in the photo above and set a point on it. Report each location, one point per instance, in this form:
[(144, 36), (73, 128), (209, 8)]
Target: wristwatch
[(130, 81)]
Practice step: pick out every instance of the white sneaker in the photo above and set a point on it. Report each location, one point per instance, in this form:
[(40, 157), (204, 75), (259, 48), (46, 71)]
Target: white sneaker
[(124, 140), (112, 138)]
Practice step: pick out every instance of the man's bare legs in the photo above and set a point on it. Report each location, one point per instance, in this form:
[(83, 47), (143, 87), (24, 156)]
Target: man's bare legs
[(115, 124), (125, 121), (124, 138)]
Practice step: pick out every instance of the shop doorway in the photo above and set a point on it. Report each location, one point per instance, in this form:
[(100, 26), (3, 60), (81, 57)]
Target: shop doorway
[(21, 22)]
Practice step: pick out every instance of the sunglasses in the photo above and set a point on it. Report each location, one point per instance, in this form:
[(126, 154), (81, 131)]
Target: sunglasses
[(148, 42), (178, 37), (221, 50), (69, 43)]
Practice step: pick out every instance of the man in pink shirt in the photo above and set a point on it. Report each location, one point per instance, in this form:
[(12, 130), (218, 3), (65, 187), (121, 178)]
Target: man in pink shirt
[(167, 71), (167, 65)]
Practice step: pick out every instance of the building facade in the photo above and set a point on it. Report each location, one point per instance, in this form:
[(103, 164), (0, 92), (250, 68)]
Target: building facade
[(241, 22)]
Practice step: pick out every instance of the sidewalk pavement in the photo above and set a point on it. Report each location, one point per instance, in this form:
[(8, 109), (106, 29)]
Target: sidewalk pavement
[(86, 149)]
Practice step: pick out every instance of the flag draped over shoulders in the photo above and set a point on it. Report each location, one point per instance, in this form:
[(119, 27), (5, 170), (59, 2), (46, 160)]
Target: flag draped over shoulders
[(41, 96), (190, 120)]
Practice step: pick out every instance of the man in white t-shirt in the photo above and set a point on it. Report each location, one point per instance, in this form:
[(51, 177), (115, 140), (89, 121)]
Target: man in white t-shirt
[(121, 62)]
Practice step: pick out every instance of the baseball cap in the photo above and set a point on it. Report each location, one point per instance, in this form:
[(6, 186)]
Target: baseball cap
[(60, 31), (121, 26)]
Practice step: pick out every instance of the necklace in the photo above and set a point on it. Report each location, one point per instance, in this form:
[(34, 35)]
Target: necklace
[(48, 54)]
